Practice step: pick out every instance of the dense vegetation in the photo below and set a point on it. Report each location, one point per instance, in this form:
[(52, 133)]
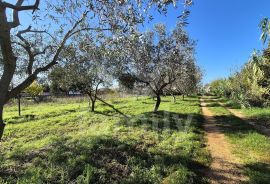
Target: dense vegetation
[(251, 85), (62, 142)]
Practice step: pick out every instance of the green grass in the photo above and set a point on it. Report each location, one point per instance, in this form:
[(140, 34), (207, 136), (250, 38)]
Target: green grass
[(251, 147), (258, 115), (65, 143)]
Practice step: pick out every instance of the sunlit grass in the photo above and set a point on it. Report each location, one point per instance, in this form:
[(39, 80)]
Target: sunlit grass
[(260, 115), (65, 143)]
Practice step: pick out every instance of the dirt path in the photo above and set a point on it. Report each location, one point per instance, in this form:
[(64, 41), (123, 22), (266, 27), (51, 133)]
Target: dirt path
[(225, 168), (260, 128)]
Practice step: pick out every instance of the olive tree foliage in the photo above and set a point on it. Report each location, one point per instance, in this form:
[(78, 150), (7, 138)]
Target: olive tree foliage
[(189, 80), (35, 48), (154, 58), (84, 68)]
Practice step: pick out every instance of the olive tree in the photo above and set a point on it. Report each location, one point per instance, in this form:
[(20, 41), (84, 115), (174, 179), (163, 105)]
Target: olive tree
[(154, 58), (83, 69), (189, 80)]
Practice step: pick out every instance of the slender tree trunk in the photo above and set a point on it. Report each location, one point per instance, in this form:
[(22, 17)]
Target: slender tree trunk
[(19, 104), (183, 96), (174, 98), (93, 105), (93, 101), (157, 103), (2, 124)]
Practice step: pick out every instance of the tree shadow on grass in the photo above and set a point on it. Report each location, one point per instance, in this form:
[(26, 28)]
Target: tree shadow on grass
[(152, 103), (234, 125), (213, 104), (258, 172), (209, 100), (34, 117), (100, 160), (189, 100), (164, 120), (105, 112)]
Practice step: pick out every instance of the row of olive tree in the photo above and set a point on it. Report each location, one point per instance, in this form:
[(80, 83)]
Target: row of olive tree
[(158, 61), (31, 49)]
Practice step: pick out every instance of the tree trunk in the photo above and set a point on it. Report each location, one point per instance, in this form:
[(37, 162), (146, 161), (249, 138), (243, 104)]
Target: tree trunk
[(157, 103), (183, 96), (2, 124), (93, 105), (19, 104), (93, 101), (9, 64), (174, 98)]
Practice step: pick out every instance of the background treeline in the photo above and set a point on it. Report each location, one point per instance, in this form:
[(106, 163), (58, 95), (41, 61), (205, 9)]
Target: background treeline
[(251, 85)]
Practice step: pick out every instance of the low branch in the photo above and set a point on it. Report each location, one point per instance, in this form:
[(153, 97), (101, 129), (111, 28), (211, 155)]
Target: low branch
[(106, 103)]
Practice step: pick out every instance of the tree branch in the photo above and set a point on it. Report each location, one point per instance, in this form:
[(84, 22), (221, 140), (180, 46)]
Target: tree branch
[(15, 91), (19, 7)]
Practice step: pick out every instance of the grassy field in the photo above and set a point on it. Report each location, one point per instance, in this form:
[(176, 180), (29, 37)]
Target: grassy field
[(251, 147), (256, 114), (65, 143), (259, 115)]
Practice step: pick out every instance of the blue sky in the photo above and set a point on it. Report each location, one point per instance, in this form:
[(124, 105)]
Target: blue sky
[(227, 32)]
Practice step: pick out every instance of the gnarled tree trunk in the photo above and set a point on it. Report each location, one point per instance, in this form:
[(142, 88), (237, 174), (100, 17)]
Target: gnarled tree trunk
[(9, 63)]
